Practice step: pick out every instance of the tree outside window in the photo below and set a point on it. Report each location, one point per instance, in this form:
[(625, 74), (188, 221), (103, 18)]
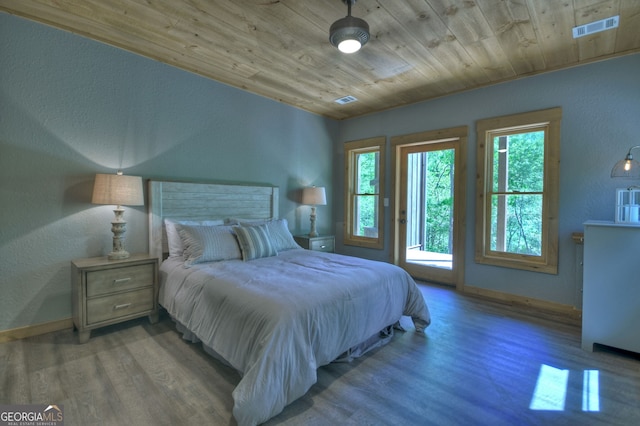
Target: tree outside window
[(517, 207), (364, 184)]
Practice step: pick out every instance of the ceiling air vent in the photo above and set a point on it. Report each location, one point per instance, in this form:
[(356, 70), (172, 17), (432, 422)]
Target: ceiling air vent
[(596, 27), (345, 100)]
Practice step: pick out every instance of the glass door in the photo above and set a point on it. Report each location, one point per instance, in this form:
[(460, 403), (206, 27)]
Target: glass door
[(427, 217)]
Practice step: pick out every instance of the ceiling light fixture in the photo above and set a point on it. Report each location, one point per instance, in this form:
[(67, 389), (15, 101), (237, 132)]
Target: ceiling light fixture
[(349, 34)]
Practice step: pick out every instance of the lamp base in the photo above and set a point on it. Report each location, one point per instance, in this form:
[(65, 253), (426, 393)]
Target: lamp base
[(312, 219), (117, 255), (118, 227)]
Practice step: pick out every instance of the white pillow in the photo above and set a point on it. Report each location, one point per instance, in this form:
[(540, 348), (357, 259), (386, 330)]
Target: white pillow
[(208, 244), (173, 238), (281, 237)]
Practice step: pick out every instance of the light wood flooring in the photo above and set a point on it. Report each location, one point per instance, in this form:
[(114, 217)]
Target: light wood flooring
[(479, 364)]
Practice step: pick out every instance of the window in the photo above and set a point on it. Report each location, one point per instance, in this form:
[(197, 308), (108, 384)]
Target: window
[(517, 189), (364, 184)]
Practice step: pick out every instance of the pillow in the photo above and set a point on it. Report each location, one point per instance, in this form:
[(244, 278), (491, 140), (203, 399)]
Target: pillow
[(281, 237), (255, 242), (173, 238), (208, 244), (245, 222)]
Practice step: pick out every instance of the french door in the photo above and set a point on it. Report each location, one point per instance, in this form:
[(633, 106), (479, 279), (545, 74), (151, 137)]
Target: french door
[(430, 210)]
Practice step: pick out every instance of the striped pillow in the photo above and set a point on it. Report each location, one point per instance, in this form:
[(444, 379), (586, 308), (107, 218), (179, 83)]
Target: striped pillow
[(176, 249), (255, 242), (281, 237), (208, 244)]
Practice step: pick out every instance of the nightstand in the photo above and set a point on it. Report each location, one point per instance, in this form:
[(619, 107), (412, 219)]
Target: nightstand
[(326, 243), (107, 291)]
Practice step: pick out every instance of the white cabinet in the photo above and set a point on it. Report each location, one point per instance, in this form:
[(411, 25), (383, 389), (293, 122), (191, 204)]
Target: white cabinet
[(611, 286)]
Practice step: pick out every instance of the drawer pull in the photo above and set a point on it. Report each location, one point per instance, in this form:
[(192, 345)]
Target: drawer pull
[(323, 247), (121, 280), (123, 306)]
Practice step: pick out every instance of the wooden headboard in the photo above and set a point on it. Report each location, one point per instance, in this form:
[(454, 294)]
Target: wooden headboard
[(201, 201)]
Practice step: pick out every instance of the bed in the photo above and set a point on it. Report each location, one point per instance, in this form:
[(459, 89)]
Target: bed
[(233, 278)]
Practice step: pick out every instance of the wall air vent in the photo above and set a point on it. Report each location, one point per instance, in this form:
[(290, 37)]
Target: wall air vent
[(345, 100), (596, 27)]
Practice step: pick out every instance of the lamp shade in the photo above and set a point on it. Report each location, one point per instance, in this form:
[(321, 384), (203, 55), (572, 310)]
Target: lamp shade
[(314, 196), (118, 189), (628, 167)]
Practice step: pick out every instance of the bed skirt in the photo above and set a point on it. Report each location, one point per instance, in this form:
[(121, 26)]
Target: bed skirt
[(378, 340)]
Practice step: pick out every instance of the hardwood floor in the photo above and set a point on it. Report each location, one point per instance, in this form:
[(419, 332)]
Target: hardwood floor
[(480, 363)]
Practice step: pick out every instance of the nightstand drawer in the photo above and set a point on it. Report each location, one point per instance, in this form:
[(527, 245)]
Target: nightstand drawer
[(326, 243), (108, 281), (322, 244), (119, 305)]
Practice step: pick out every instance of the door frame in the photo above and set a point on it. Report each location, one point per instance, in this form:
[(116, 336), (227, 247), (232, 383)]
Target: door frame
[(457, 136)]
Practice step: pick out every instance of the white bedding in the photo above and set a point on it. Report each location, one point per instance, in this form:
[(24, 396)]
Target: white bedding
[(277, 319)]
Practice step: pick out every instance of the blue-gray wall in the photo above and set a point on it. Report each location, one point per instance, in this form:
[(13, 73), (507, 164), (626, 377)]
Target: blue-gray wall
[(71, 107), (600, 122)]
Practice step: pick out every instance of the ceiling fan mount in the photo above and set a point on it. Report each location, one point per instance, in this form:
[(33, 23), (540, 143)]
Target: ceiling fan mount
[(349, 34)]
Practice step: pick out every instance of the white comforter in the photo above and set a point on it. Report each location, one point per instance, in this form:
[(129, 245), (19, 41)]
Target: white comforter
[(277, 319)]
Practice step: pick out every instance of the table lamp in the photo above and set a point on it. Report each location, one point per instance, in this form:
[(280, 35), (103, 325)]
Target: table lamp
[(314, 196), (119, 190)]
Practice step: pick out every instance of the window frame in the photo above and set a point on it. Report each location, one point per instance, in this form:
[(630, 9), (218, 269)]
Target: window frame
[(486, 129), (377, 144)]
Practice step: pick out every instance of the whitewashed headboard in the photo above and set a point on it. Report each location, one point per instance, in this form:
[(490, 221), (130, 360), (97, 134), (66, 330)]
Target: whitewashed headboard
[(200, 201)]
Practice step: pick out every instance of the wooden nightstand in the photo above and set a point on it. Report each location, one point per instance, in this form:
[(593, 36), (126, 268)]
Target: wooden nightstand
[(326, 243), (107, 291)]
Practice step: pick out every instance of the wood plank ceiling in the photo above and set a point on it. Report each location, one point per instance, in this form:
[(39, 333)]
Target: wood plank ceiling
[(419, 49)]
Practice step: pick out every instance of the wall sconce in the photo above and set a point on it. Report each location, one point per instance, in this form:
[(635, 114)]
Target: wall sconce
[(314, 196), (627, 168), (118, 190)]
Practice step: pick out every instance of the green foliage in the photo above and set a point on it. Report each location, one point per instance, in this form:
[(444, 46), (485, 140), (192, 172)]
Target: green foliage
[(366, 201), (518, 181), (367, 172), (439, 201), (430, 193), (524, 162), (523, 229)]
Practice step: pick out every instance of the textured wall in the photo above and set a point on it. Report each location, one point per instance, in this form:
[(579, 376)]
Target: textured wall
[(71, 107), (601, 121)]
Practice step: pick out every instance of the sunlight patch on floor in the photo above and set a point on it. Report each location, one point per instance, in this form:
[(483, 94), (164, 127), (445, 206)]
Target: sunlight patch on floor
[(551, 389), (591, 391)]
